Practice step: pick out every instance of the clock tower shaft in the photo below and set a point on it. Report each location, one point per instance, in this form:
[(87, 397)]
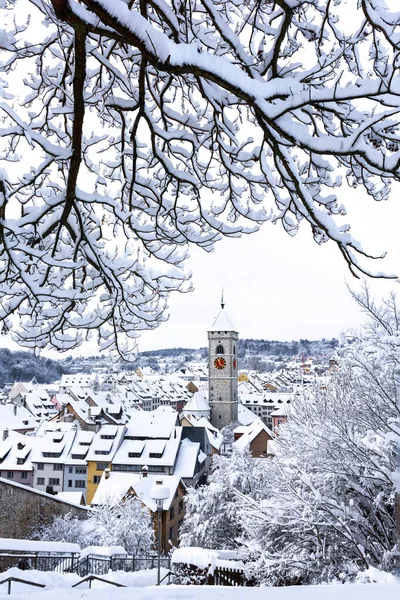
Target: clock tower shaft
[(223, 370)]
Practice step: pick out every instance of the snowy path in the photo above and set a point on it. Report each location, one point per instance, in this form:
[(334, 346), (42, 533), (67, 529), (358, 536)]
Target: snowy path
[(339, 592)]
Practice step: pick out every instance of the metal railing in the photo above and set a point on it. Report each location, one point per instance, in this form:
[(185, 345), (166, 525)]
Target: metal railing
[(101, 565), (40, 561), (72, 563), (9, 581)]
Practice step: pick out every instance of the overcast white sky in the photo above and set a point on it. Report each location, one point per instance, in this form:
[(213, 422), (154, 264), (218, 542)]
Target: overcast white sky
[(278, 287)]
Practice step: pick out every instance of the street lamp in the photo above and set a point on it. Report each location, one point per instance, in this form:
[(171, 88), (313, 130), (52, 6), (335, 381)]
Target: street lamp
[(159, 493)]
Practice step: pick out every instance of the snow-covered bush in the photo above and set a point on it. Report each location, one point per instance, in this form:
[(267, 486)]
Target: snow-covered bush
[(330, 512), (67, 528), (127, 524), (184, 574), (212, 519)]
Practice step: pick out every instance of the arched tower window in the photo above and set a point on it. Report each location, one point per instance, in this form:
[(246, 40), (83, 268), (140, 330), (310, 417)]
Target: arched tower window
[(220, 349), (234, 349)]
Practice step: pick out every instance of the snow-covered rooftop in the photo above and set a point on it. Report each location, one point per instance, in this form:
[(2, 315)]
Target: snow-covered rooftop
[(198, 403), (250, 432), (152, 452), (152, 424), (245, 415), (117, 485), (16, 418), (188, 455), (222, 322)]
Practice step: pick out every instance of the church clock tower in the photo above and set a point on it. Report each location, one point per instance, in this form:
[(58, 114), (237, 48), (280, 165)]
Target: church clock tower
[(223, 370)]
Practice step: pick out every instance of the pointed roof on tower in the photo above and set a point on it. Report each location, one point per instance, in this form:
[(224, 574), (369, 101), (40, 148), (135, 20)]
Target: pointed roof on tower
[(222, 322)]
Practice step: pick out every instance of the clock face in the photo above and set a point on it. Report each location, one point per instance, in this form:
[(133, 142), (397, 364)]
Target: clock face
[(220, 362), (234, 363)]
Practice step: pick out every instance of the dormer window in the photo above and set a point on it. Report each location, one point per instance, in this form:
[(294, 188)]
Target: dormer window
[(220, 349)]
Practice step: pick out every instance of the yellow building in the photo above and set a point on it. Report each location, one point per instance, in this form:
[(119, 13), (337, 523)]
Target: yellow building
[(100, 455), (95, 469)]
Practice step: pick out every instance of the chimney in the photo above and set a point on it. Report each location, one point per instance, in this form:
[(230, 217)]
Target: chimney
[(106, 473), (5, 434), (144, 471)]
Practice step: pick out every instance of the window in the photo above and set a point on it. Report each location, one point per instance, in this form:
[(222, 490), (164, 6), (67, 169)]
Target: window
[(134, 454), (54, 481), (40, 466), (20, 461), (220, 349), (172, 513), (80, 483), (10, 474), (180, 508), (96, 478), (40, 481), (24, 475), (171, 533), (78, 456), (101, 466), (155, 454), (52, 454), (137, 468), (57, 467), (80, 470), (70, 470), (69, 482)]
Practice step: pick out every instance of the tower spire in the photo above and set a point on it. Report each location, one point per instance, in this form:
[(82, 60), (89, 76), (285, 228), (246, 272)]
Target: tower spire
[(222, 299)]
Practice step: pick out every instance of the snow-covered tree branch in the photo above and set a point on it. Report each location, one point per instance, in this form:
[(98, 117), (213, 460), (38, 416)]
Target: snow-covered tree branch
[(131, 129)]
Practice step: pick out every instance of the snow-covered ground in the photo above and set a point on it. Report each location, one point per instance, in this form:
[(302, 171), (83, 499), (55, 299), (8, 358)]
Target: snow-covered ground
[(56, 581), (339, 592), (386, 588)]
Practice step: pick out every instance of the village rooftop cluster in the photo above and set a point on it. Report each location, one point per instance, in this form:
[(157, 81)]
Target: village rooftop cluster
[(92, 438)]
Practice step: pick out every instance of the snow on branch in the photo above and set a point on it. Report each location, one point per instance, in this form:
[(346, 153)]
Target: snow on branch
[(130, 130)]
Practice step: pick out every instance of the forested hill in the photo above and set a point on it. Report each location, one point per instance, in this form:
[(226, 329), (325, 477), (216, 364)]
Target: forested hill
[(263, 355), (250, 347), (24, 366)]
